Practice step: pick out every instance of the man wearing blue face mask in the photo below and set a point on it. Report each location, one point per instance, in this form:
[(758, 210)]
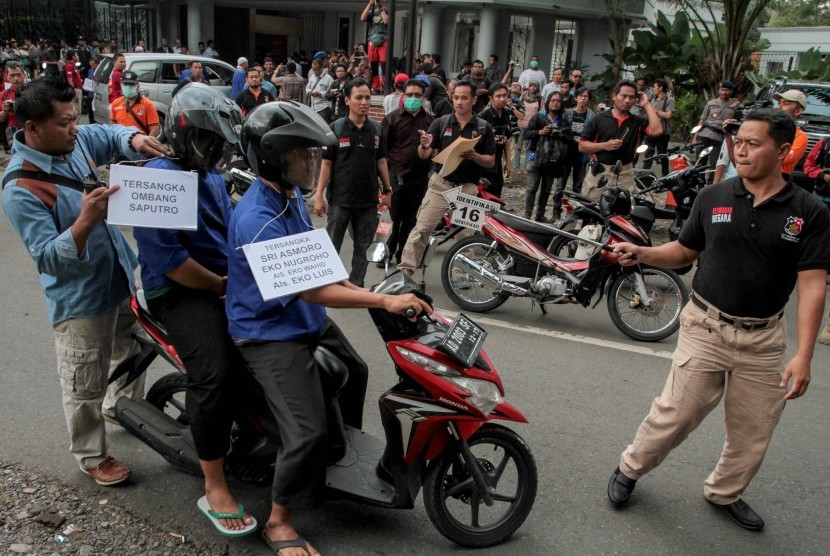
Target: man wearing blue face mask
[(133, 109), (408, 174), (533, 74)]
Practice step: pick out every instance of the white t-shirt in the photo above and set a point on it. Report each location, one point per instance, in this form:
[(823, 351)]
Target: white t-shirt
[(390, 102), (529, 75), (321, 85)]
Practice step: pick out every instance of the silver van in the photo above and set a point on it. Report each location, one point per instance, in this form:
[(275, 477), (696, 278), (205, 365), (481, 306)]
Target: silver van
[(158, 75)]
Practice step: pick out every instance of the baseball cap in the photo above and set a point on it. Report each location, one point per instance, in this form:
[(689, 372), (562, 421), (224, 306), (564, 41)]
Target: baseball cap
[(241, 60), (401, 78), (728, 84), (423, 78), (129, 77), (792, 95), (320, 54)]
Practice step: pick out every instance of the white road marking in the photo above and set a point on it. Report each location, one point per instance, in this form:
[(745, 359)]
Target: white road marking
[(488, 321)]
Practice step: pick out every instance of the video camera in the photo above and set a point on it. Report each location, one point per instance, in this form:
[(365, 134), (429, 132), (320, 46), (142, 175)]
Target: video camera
[(742, 110)]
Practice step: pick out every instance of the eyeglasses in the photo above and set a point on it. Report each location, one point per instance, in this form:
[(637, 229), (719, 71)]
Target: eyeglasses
[(556, 100)]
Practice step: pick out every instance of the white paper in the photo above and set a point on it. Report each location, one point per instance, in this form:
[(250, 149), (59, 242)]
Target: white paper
[(469, 211), (294, 264), (153, 198), (89, 85)]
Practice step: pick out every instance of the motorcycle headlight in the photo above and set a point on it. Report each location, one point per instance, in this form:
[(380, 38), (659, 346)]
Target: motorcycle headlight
[(429, 364), (484, 394)]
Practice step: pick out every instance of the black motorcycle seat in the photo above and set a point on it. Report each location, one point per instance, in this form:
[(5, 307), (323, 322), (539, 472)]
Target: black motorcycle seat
[(522, 224), (640, 173), (642, 213)]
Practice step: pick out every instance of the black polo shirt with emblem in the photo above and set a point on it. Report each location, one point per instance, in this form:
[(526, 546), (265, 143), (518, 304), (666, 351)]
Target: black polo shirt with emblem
[(605, 127), (354, 169), (751, 255), (445, 130), (247, 100)]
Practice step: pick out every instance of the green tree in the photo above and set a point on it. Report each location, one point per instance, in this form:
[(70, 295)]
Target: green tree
[(799, 13), (726, 42)]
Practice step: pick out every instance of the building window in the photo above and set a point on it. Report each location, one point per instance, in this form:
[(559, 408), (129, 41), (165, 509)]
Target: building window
[(564, 45), (466, 37)]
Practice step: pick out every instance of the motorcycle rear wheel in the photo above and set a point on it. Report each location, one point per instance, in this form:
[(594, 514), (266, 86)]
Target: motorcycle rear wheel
[(167, 394), (509, 469), (464, 290), (648, 324)]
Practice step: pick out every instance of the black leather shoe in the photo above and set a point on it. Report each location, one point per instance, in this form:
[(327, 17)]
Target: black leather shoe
[(620, 488), (741, 513)]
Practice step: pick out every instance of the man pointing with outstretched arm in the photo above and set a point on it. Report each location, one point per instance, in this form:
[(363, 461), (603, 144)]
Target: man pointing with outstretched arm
[(757, 236)]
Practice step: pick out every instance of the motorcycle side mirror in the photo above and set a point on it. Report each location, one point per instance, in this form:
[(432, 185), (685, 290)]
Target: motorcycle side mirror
[(705, 152), (695, 129), (377, 252), (642, 148), (617, 168)]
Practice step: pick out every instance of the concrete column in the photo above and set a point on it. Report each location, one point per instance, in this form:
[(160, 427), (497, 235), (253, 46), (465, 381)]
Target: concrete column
[(208, 31), (450, 65), (487, 33), (194, 25), (430, 29)]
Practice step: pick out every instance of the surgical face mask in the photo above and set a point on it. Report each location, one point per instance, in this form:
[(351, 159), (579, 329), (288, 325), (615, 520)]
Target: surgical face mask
[(130, 91), (534, 64), (412, 104)]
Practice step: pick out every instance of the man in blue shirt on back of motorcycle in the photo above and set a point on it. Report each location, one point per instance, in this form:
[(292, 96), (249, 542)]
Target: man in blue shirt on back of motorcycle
[(282, 142), (183, 275)]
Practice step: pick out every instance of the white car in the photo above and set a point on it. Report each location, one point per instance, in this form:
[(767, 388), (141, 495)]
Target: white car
[(158, 75)]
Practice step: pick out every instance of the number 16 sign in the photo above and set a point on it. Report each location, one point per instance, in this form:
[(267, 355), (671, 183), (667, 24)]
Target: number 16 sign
[(469, 210)]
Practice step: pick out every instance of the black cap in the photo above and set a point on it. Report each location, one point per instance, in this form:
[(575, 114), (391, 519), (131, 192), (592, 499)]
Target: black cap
[(129, 77), (728, 85)]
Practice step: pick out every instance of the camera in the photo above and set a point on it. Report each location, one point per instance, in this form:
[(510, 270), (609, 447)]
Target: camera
[(741, 111), (92, 182)]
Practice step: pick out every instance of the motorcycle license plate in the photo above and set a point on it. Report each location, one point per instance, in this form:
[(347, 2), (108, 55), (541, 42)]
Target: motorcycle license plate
[(463, 340)]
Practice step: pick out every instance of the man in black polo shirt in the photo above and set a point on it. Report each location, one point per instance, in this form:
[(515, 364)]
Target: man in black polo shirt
[(254, 95), (499, 118), (407, 171), (757, 236), (441, 134), (349, 177), (614, 135)]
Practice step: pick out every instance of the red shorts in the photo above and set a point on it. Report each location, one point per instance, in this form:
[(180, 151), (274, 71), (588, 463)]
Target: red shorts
[(377, 53)]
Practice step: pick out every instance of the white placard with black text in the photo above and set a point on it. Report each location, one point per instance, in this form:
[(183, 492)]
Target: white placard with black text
[(469, 211), (153, 198), (294, 264)]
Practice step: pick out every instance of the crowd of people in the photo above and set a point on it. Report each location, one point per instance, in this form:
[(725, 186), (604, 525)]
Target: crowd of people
[(551, 131)]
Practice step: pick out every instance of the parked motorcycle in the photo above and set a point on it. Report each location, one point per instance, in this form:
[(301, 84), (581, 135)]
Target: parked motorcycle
[(479, 478), (512, 259)]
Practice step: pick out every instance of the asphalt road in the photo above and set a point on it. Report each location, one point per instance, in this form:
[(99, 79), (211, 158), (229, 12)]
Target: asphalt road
[(583, 386)]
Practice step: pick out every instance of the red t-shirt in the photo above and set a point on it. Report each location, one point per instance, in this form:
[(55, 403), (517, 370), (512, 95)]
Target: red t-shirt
[(11, 94), (73, 76), (115, 85)]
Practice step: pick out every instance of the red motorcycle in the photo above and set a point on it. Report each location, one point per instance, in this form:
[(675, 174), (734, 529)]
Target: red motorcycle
[(514, 258), (479, 478)]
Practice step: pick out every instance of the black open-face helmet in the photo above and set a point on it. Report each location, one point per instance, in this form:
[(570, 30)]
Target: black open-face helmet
[(200, 121), (283, 142)]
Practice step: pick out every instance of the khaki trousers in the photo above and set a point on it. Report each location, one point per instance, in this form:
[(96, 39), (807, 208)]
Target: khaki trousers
[(87, 351), (713, 360), (590, 186), (432, 209)]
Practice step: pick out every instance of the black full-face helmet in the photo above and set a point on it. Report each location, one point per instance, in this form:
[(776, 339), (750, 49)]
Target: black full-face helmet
[(283, 141), (199, 122), (615, 201)]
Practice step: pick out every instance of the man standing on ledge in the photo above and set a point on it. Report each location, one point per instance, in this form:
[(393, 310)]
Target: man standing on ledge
[(757, 236), (442, 132)]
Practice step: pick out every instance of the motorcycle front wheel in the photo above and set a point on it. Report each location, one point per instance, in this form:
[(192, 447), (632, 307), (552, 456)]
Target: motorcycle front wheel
[(647, 323), (465, 290), (454, 503)]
